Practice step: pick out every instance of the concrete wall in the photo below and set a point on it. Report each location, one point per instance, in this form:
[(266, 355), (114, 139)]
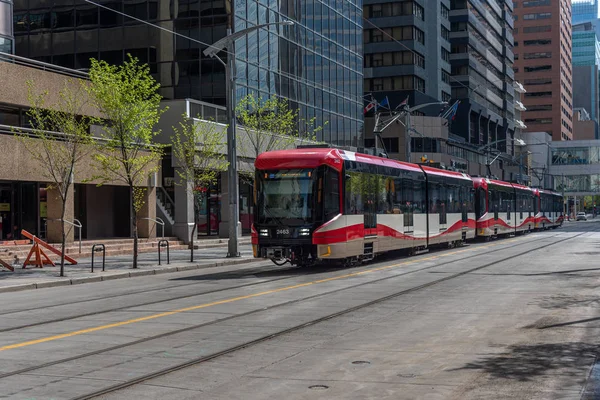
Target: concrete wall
[(14, 78), (584, 130)]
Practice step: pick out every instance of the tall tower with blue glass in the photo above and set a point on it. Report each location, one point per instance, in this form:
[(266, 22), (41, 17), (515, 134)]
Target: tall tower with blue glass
[(6, 26), (585, 11)]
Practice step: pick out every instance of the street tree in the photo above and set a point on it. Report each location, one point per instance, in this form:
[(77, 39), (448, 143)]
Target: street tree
[(270, 124), (198, 147), (127, 96), (58, 141)]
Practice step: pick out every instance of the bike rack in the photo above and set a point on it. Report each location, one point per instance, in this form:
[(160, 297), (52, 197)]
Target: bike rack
[(163, 243), (97, 248)]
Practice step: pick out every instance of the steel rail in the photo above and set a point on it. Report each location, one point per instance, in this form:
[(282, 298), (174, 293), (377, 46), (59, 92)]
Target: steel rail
[(231, 317)]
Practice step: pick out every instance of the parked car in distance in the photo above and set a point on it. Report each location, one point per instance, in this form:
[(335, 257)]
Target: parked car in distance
[(581, 216)]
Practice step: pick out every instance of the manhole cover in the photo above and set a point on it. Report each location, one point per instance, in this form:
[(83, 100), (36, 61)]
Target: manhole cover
[(318, 387), (361, 362)]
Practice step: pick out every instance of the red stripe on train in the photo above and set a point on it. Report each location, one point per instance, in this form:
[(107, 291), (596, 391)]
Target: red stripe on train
[(355, 232)]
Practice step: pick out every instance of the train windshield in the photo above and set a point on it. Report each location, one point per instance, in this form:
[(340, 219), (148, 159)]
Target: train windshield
[(285, 197)]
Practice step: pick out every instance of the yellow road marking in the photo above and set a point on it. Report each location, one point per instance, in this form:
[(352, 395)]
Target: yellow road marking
[(215, 303)]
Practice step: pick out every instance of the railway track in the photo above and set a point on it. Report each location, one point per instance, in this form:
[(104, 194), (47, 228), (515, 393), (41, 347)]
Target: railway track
[(295, 328), (232, 349), (225, 275)]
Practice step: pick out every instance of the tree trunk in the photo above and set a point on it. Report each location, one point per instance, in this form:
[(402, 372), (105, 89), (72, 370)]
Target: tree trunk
[(62, 231), (192, 240), (64, 243), (135, 228)]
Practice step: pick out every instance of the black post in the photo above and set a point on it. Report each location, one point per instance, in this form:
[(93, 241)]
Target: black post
[(163, 243), (96, 248)]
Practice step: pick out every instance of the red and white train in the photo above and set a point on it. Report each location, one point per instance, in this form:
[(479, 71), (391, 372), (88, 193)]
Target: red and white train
[(320, 204)]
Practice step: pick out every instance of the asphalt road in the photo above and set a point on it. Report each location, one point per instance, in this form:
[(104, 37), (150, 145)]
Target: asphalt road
[(513, 318)]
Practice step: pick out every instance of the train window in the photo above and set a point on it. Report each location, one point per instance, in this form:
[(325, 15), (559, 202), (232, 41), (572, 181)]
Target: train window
[(385, 186), (354, 198), (331, 203)]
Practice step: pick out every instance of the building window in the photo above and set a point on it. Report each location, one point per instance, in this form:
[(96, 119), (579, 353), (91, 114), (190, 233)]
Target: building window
[(445, 55), (537, 16), (445, 33), (394, 10), (446, 96), (537, 29), (391, 144), (539, 81), (529, 56), (445, 77), (539, 68), (538, 120), (445, 12), (395, 58), (537, 42), (536, 3), (538, 94)]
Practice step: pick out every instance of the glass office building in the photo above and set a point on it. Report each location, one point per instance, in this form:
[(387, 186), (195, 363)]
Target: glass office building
[(6, 28), (584, 11), (316, 63)]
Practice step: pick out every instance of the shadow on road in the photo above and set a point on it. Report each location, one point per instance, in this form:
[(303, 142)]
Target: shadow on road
[(527, 362)]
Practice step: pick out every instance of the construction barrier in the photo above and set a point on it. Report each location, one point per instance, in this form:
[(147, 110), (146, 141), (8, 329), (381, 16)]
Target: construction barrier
[(41, 258), (7, 266)]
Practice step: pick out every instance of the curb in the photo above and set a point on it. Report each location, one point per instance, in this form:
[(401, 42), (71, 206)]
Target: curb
[(128, 274)]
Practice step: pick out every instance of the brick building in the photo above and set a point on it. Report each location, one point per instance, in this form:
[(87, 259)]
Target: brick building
[(543, 64)]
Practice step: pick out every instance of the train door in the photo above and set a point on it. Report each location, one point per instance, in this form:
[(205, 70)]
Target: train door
[(443, 207), (370, 204), (407, 203)]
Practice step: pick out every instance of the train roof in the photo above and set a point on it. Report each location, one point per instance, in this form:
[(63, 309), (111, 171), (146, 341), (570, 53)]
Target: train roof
[(550, 192), (484, 182), (312, 158)]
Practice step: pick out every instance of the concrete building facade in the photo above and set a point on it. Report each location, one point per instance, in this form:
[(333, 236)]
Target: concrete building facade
[(316, 63), (6, 27), (543, 63), (27, 200), (418, 66), (481, 61)]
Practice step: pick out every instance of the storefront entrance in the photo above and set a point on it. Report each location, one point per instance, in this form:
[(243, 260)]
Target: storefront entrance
[(22, 206)]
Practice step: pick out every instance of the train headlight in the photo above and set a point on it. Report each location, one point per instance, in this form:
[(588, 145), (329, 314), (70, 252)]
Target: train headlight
[(304, 231), (263, 232)]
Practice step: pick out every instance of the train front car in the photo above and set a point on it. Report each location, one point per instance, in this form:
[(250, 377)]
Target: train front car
[(296, 192), (550, 209)]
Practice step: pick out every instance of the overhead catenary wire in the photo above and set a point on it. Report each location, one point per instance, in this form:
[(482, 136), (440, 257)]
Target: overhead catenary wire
[(337, 92)]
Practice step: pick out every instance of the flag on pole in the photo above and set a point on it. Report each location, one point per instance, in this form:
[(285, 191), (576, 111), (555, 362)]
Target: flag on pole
[(450, 112), (404, 103), (370, 106), (385, 103)]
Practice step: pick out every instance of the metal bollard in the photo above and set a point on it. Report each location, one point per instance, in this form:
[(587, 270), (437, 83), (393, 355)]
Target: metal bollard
[(163, 243), (97, 248)]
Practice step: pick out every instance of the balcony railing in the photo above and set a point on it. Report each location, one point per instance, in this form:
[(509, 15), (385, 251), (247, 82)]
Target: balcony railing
[(57, 69)]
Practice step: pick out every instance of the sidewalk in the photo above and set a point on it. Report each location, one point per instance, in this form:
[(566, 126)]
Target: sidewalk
[(118, 267)]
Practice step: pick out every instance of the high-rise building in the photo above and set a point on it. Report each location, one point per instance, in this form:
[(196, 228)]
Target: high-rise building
[(586, 62), (407, 51), (482, 69), (316, 63), (583, 10), (543, 64), (6, 26)]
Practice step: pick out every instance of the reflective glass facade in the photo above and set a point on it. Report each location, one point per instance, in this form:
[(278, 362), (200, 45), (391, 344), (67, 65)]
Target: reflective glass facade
[(576, 155), (577, 183), (6, 28), (584, 10), (316, 63)]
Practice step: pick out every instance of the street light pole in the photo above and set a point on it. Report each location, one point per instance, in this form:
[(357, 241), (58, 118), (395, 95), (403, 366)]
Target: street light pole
[(228, 42)]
